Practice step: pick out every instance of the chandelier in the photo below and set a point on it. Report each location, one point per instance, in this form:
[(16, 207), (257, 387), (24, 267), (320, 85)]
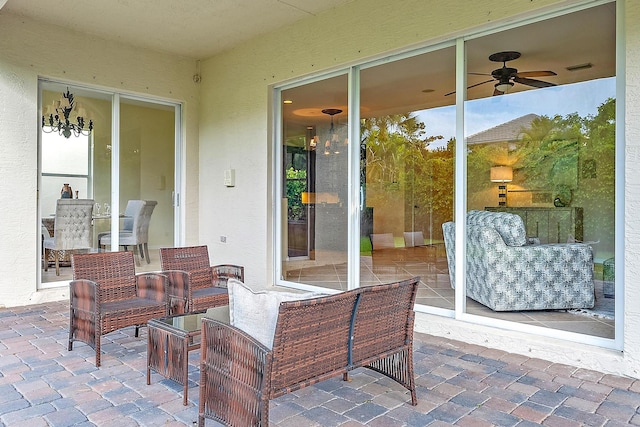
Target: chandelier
[(66, 118), (332, 142)]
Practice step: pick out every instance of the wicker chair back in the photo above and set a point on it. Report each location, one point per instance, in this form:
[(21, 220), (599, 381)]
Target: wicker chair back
[(106, 294), (194, 284)]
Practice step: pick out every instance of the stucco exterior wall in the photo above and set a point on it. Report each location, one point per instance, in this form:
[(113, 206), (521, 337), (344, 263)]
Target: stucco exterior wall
[(29, 50), (231, 129), (235, 132), (631, 190)]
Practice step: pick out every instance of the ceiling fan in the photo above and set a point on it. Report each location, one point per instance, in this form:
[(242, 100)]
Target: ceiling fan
[(506, 76)]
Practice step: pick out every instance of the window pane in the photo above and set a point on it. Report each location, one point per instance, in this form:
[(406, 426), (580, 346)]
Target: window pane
[(69, 156), (407, 173), (541, 145), (314, 206)]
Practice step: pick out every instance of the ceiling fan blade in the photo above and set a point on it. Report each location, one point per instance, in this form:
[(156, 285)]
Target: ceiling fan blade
[(469, 87), (535, 74), (481, 83), (532, 82)]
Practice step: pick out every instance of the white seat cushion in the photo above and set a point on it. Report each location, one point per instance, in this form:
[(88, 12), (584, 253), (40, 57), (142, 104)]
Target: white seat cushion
[(256, 312)]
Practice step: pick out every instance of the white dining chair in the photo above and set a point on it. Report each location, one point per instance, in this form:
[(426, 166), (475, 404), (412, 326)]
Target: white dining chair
[(72, 230), (138, 236), (132, 210)]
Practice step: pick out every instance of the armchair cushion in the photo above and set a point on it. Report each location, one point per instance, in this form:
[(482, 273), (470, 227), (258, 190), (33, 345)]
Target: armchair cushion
[(509, 226), (256, 312)]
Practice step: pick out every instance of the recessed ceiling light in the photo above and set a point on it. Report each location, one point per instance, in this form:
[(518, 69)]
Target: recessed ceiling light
[(579, 67), (428, 90), (287, 101)]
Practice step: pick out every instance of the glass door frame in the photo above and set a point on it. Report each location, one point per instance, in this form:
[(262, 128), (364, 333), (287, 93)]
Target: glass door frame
[(460, 178), (179, 166)]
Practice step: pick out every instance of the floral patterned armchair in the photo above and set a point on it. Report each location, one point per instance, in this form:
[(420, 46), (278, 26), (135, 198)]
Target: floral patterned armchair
[(507, 273)]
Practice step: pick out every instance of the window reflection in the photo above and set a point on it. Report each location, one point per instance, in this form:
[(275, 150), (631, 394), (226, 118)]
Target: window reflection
[(314, 205), (539, 122), (554, 138)]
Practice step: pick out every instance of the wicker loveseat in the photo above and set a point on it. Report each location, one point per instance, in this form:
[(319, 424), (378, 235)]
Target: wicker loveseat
[(315, 339), (507, 273)]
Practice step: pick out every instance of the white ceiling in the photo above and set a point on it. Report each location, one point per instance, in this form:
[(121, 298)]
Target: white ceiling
[(191, 28)]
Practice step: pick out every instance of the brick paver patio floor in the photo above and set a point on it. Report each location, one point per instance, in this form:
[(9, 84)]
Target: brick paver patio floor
[(43, 384)]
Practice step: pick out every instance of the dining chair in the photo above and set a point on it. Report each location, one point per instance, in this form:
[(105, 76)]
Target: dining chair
[(73, 229), (138, 235), (131, 211)]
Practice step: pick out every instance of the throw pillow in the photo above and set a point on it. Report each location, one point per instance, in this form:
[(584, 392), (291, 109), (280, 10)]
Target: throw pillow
[(256, 312)]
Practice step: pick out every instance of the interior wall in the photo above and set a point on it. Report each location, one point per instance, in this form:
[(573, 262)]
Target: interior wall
[(236, 128), (28, 54)]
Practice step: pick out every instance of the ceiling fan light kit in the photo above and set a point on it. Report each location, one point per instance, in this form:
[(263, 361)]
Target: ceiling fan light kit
[(504, 87)]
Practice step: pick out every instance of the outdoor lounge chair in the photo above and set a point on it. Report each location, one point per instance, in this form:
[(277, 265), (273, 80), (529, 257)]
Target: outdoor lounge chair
[(195, 285), (106, 295)]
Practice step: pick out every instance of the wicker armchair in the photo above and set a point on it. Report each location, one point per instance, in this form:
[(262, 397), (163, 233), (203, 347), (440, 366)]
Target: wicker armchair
[(195, 285), (106, 294)]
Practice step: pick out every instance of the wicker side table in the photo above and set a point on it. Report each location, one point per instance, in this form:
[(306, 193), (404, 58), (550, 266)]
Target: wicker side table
[(170, 339)]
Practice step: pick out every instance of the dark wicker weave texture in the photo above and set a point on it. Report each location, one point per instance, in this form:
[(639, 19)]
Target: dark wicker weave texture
[(194, 285), (107, 295), (315, 339), (168, 354), (233, 371)]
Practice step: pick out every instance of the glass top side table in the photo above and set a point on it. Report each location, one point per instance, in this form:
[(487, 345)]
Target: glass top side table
[(170, 339)]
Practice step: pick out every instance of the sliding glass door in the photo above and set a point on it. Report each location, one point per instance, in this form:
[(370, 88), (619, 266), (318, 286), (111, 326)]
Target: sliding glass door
[(540, 142), (519, 120), (120, 161), (147, 170), (406, 173)]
